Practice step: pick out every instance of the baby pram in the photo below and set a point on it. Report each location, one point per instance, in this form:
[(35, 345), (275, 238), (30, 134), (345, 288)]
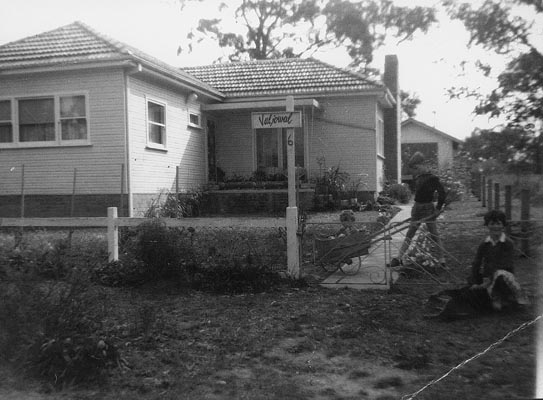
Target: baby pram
[(343, 253)]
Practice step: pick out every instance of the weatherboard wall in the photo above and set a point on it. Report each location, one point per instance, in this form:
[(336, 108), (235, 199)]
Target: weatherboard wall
[(50, 170), (153, 171)]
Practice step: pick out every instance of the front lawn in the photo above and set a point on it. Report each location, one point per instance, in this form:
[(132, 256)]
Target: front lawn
[(293, 340)]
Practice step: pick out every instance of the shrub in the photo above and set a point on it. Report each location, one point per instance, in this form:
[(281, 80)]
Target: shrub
[(157, 247), (398, 192), (121, 273), (234, 277), (186, 205), (52, 327)]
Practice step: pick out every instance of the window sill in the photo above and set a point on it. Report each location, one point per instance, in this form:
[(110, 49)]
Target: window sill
[(194, 126), (18, 146), (156, 148)]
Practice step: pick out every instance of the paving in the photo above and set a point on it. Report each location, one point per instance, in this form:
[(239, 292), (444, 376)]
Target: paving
[(374, 273)]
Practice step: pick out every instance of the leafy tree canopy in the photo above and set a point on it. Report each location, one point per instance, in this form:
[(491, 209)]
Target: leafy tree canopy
[(294, 28), (509, 149), (496, 26)]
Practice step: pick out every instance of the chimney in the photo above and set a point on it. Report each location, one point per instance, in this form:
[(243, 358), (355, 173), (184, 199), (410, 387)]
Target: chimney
[(392, 122)]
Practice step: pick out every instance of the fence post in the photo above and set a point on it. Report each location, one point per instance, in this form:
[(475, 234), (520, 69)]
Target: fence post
[(112, 234), (23, 191), (496, 196), (508, 202), (525, 223), (489, 194), (177, 183), (483, 190), (121, 202)]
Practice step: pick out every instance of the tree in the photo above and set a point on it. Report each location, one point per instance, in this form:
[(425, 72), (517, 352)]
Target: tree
[(509, 149), (410, 101), (519, 95), (294, 28)]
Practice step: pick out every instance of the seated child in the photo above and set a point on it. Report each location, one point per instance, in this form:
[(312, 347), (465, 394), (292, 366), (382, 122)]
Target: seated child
[(347, 220), (493, 286)]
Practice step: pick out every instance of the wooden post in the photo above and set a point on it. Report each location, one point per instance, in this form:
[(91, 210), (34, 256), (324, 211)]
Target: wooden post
[(496, 196), (177, 183), (22, 191), (72, 202), (293, 253), (483, 190), (489, 194), (72, 207), (525, 221), (112, 234), (508, 203), (121, 202)]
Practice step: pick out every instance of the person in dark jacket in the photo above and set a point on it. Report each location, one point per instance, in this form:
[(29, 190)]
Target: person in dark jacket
[(424, 210), (492, 285)]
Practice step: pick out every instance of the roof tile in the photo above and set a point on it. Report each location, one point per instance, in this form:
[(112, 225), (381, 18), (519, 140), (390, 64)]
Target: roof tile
[(280, 76)]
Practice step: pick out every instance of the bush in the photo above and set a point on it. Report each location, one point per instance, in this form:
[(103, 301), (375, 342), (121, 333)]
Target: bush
[(121, 273), (52, 328), (158, 248), (235, 277), (398, 192), (186, 205)]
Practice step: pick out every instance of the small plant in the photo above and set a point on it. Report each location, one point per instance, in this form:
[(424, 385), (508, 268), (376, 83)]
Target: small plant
[(399, 192), (158, 248), (168, 205)]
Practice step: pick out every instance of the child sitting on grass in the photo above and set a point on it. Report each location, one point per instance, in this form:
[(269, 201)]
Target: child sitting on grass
[(492, 284)]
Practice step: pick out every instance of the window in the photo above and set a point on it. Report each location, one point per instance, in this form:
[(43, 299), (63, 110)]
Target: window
[(73, 118), (271, 148), (6, 127), (156, 124), (44, 121), (195, 120)]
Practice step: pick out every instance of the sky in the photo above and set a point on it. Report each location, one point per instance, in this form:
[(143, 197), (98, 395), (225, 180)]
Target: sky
[(429, 64)]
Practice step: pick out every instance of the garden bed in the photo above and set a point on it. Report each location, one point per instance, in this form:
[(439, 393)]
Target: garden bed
[(302, 341)]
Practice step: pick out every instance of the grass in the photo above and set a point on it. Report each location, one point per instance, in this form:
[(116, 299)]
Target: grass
[(304, 342)]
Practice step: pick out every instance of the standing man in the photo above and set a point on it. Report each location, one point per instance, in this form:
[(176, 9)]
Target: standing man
[(424, 210)]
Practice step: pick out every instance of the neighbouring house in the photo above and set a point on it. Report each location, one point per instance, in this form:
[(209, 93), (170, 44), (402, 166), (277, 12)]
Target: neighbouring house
[(438, 147), (87, 122)]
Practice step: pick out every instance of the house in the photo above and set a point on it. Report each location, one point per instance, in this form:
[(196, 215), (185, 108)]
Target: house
[(438, 147), (87, 122)]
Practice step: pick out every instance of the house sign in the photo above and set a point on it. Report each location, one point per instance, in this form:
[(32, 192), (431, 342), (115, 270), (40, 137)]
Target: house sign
[(277, 119)]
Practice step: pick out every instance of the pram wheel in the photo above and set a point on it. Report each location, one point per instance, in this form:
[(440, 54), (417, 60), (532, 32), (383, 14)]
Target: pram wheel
[(352, 267)]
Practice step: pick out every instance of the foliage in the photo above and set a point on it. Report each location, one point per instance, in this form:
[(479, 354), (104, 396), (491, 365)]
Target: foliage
[(510, 150), (398, 191), (333, 181), (519, 95), (52, 327), (160, 248), (274, 29), (227, 276), (410, 102), (186, 205)]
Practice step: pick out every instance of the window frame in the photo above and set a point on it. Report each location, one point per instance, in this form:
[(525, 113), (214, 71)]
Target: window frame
[(57, 121), (380, 136), (196, 113), (8, 122), (164, 125)]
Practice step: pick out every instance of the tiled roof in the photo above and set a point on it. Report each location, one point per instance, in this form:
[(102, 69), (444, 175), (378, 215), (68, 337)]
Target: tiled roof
[(78, 43), (68, 44), (281, 76)]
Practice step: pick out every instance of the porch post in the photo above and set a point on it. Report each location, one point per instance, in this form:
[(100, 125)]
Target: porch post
[(293, 255)]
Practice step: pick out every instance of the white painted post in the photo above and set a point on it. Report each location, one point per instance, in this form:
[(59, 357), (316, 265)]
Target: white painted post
[(112, 234), (293, 253)]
